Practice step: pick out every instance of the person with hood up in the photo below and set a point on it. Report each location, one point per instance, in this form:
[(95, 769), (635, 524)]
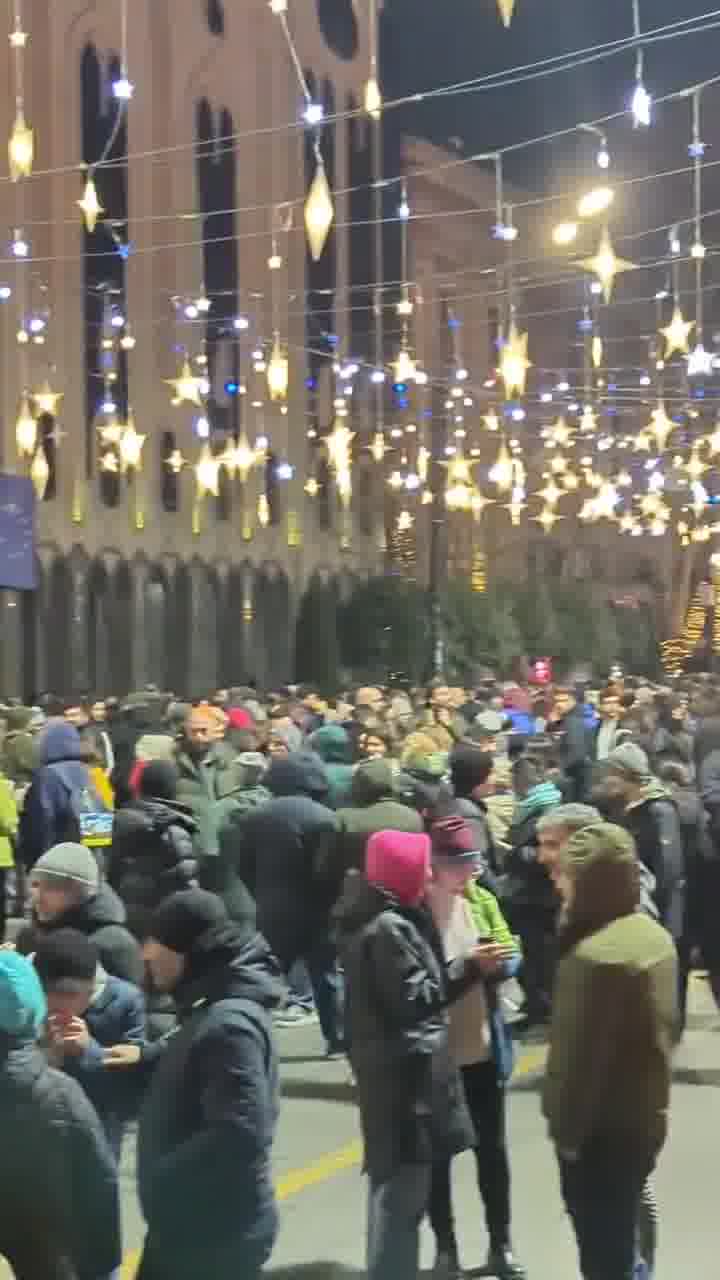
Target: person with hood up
[(208, 1121), (89, 1011), (332, 744), (480, 1043), (528, 895), (374, 807), (49, 813), (412, 1105), (279, 858), (18, 760), (649, 813), (152, 854), (67, 893), (59, 1203), (607, 1085)]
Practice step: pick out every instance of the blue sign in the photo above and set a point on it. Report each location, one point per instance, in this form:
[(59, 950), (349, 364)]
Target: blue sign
[(17, 533)]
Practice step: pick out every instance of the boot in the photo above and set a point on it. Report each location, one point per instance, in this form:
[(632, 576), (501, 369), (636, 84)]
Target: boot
[(447, 1264)]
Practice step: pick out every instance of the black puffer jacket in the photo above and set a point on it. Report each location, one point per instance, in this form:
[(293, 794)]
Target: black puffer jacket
[(412, 1105), (102, 919), (59, 1204), (282, 852), (654, 824), (151, 857), (208, 1122)]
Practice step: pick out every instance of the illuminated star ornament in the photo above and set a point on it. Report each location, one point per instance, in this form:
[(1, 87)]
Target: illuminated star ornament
[(506, 9), (186, 386), (677, 334), (661, 427), (700, 362), (46, 400), (90, 205), (606, 265), (514, 363)]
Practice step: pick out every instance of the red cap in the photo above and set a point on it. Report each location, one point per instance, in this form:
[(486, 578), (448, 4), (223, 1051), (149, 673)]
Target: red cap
[(239, 718)]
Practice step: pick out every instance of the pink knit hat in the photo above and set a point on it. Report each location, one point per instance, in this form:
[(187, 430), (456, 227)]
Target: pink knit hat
[(399, 862)]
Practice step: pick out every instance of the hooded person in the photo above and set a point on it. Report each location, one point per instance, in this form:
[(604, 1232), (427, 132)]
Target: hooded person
[(374, 806), (422, 771), (208, 1121), (278, 861), (67, 893), (333, 744), (607, 1084), (647, 810), (59, 1203), (152, 853), (18, 758), (412, 1106), (49, 812)]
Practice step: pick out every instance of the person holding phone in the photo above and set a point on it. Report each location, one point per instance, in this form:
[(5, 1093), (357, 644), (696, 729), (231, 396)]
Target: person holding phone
[(467, 918)]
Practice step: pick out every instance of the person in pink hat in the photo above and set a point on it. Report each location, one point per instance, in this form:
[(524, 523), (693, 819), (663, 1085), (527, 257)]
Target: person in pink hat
[(398, 989)]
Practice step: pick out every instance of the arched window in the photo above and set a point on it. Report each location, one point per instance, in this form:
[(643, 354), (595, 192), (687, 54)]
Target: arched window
[(339, 27), (215, 14)]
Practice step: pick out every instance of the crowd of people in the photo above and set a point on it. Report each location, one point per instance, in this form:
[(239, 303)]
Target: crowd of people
[(178, 879)]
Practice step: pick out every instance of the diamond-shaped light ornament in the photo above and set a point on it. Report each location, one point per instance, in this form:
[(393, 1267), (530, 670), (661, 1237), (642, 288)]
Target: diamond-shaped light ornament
[(514, 363), (21, 148), (90, 205), (319, 212), (506, 9), (40, 473), (606, 264)]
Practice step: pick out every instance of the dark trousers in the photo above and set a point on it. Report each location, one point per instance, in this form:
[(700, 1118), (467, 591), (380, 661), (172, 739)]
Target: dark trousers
[(485, 1094), (537, 930), (33, 1258), (3, 903), (320, 960), (602, 1191)]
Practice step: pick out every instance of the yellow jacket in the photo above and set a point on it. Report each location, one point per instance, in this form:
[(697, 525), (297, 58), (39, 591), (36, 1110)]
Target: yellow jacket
[(8, 823)]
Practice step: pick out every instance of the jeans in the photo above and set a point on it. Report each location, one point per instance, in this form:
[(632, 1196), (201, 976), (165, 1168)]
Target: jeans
[(328, 989), (602, 1190), (485, 1095), (395, 1210), (300, 986)]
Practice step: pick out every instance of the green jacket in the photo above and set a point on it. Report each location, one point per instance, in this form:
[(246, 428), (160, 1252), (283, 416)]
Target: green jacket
[(489, 919), (8, 823), (374, 808), (614, 1014), (212, 789), (333, 745)]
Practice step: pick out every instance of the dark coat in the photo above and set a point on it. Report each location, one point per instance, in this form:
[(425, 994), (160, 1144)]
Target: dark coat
[(151, 856), (102, 919), (374, 808), (209, 787), (115, 1016), (208, 1121), (47, 811), (412, 1105), (654, 824), (526, 884), (282, 854), (572, 742), (58, 1182)]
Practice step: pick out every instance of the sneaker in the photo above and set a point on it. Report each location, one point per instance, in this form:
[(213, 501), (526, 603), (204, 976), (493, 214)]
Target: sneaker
[(502, 1264), (294, 1016)]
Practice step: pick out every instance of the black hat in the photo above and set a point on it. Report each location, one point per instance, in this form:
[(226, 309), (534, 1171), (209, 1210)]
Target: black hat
[(182, 919), (469, 768), (158, 780), (66, 960)]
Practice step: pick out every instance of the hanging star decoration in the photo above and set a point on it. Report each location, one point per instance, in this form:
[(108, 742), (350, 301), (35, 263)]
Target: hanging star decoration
[(46, 400), (661, 427), (514, 363), (597, 351), (207, 473), (90, 205), (677, 333), (506, 9), (186, 386), (606, 264), (700, 362)]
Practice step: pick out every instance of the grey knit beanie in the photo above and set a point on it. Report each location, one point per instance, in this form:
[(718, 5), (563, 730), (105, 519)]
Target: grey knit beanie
[(631, 761), (70, 862)]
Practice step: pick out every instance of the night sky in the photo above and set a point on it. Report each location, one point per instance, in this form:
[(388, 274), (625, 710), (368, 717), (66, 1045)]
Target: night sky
[(428, 43)]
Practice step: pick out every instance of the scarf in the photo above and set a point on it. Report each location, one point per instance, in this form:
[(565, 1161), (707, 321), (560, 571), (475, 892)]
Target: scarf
[(544, 796)]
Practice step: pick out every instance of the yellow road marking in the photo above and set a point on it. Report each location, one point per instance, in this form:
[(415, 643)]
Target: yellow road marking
[(349, 1157)]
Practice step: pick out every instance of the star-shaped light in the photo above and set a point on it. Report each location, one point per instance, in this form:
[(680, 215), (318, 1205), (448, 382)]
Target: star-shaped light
[(597, 351), (186, 386), (338, 445), (661, 427), (46, 400), (312, 488), (548, 518), (404, 367), (502, 473), (506, 9), (643, 442), (516, 507), (606, 265), (278, 371), (319, 212), (695, 467), (378, 447), (588, 421), (627, 523), (491, 420), (130, 447), (514, 363), (207, 473), (18, 38), (175, 462), (700, 362), (550, 494), (677, 333), (90, 205), (561, 434), (240, 458)]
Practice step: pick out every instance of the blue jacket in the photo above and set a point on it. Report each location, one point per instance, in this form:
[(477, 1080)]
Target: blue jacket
[(115, 1016), (522, 722), (47, 809)]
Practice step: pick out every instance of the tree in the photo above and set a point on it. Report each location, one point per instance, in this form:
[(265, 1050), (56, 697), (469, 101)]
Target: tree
[(317, 650), (385, 630), (480, 630)]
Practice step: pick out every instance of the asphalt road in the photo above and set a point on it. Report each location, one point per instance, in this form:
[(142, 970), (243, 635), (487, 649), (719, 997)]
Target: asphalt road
[(317, 1160)]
